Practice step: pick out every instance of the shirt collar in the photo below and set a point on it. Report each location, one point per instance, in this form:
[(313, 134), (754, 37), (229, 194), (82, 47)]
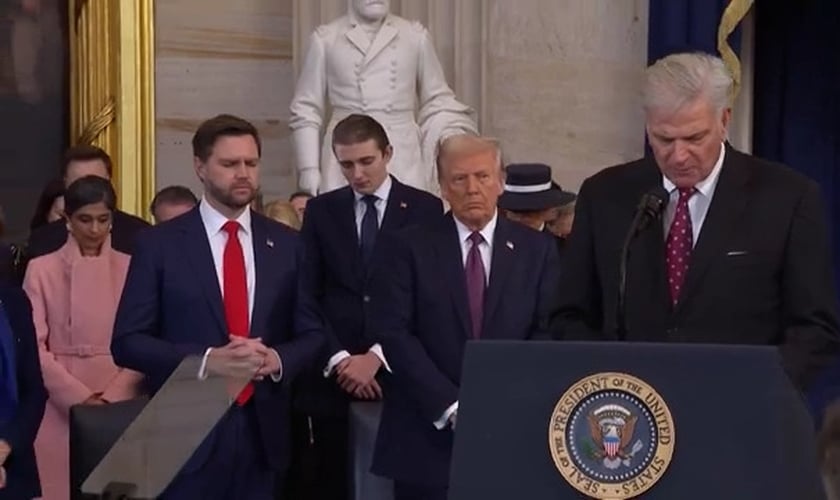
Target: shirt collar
[(382, 192), (214, 221), (486, 232), (707, 186)]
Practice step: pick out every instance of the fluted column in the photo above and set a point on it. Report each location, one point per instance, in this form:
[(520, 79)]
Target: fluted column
[(112, 91)]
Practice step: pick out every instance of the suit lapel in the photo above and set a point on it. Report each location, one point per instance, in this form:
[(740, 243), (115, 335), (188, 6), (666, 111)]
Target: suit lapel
[(263, 259), (500, 268), (724, 214), (452, 270), (383, 37), (358, 38), (396, 209), (197, 249), (344, 212)]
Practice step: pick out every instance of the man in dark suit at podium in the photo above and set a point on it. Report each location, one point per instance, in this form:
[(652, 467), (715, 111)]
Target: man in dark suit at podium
[(81, 161), (221, 282), (469, 275), (344, 232), (740, 255)]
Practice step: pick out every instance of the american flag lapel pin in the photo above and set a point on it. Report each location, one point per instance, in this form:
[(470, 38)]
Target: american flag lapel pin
[(403, 204), (269, 243), (509, 244)]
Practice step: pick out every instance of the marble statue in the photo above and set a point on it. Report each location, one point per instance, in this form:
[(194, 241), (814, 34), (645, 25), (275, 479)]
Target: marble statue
[(375, 63)]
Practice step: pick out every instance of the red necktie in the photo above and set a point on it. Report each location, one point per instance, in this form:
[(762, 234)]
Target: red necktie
[(235, 293), (678, 245)]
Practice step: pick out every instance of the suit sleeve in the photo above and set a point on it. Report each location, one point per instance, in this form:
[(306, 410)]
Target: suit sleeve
[(808, 294), (312, 276), (307, 340), (547, 292), (65, 389), (21, 430), (136, 343), (578, 315), (392, 320)]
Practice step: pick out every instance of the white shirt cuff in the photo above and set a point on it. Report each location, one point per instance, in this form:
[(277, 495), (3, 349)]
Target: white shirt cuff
[(334, 361), (202, 370), (443, 421), (278, 376), (377, 349)]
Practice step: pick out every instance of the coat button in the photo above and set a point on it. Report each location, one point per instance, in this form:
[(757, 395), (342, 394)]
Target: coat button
[(366, 298)]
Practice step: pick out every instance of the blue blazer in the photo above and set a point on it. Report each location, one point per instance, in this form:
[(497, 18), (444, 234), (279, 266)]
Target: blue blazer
[(172, 307), (21, 468), (340, 281), (422, 320)]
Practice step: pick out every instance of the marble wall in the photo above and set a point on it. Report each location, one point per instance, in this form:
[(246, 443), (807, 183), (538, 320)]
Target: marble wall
[(217, 56), (556, 80)]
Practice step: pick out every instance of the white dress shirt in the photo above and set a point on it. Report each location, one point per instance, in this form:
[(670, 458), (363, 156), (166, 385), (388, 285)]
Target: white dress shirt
[(486, 251), (214, 222), (698, 204), (360, 208)]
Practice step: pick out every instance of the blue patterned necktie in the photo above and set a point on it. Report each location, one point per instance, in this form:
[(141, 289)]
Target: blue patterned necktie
[(370, 226)]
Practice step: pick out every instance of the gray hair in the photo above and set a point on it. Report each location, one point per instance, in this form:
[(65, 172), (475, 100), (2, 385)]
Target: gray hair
[(677, 79)]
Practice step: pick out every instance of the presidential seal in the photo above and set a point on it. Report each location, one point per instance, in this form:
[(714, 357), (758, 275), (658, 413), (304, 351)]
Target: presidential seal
[(611, 436)]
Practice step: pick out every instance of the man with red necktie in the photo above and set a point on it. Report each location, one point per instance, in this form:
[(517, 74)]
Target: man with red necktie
[(221, 281), (741, 255)]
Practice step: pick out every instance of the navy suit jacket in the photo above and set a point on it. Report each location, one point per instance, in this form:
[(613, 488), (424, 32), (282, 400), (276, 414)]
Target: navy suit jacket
[(172, 307), (340, 281), (21, 469), (422, 320)]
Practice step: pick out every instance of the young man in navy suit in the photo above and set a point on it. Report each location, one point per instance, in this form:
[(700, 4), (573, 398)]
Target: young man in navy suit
[(22, 396), (222, 282), (468, 275), (345, 231)]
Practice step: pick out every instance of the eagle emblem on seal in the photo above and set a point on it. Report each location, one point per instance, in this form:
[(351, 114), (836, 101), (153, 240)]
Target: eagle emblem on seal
[(611, 428)]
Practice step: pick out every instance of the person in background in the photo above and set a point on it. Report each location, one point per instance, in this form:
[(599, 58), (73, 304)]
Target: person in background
[(283, 212), (80, 161), (172, 201), (564, 217), (299, 200), (467, 275), (22, 397), (50, 207), (531, 198), (346, 233), (74, 293), (7, 255)]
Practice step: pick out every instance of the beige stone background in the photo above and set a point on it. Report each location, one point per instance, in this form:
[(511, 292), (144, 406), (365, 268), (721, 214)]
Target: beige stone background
[(556, 80)]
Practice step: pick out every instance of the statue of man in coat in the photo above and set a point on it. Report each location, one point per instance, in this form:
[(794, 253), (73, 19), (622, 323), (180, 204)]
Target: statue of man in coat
[(375, 63)]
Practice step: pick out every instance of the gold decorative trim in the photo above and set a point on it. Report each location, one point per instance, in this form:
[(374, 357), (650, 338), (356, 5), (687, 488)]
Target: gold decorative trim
[(732, 16), (112, 91)]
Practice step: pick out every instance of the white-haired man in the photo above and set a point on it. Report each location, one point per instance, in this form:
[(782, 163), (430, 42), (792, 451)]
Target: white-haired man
[(740, 255)]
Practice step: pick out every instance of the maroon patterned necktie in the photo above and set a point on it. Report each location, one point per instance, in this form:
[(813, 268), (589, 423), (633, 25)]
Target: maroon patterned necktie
[(679, 244), (476, 283)]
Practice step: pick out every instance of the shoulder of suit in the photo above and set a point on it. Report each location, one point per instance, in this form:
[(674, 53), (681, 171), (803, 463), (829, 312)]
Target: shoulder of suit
[(130, 219), (415, 193), (773, 172), (273, 227)]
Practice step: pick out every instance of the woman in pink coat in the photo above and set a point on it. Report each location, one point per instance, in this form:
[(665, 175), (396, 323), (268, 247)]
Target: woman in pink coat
[(74, 293)]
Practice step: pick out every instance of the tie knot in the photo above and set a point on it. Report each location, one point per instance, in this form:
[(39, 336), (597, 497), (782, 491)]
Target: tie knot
[(686, 193), (476, 238), (370, 200), (231, 227)]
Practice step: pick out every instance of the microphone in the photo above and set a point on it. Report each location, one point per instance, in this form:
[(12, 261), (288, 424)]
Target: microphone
[(649, 209)]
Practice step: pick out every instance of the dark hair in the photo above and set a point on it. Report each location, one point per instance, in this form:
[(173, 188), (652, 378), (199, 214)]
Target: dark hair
[(89, 190), (53, 190), (173, 195), (221, 126), (354, 129), (86, 152), (300, 194)]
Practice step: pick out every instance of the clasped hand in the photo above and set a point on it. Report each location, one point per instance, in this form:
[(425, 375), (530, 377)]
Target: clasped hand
[(356, 375), (243, 358)]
